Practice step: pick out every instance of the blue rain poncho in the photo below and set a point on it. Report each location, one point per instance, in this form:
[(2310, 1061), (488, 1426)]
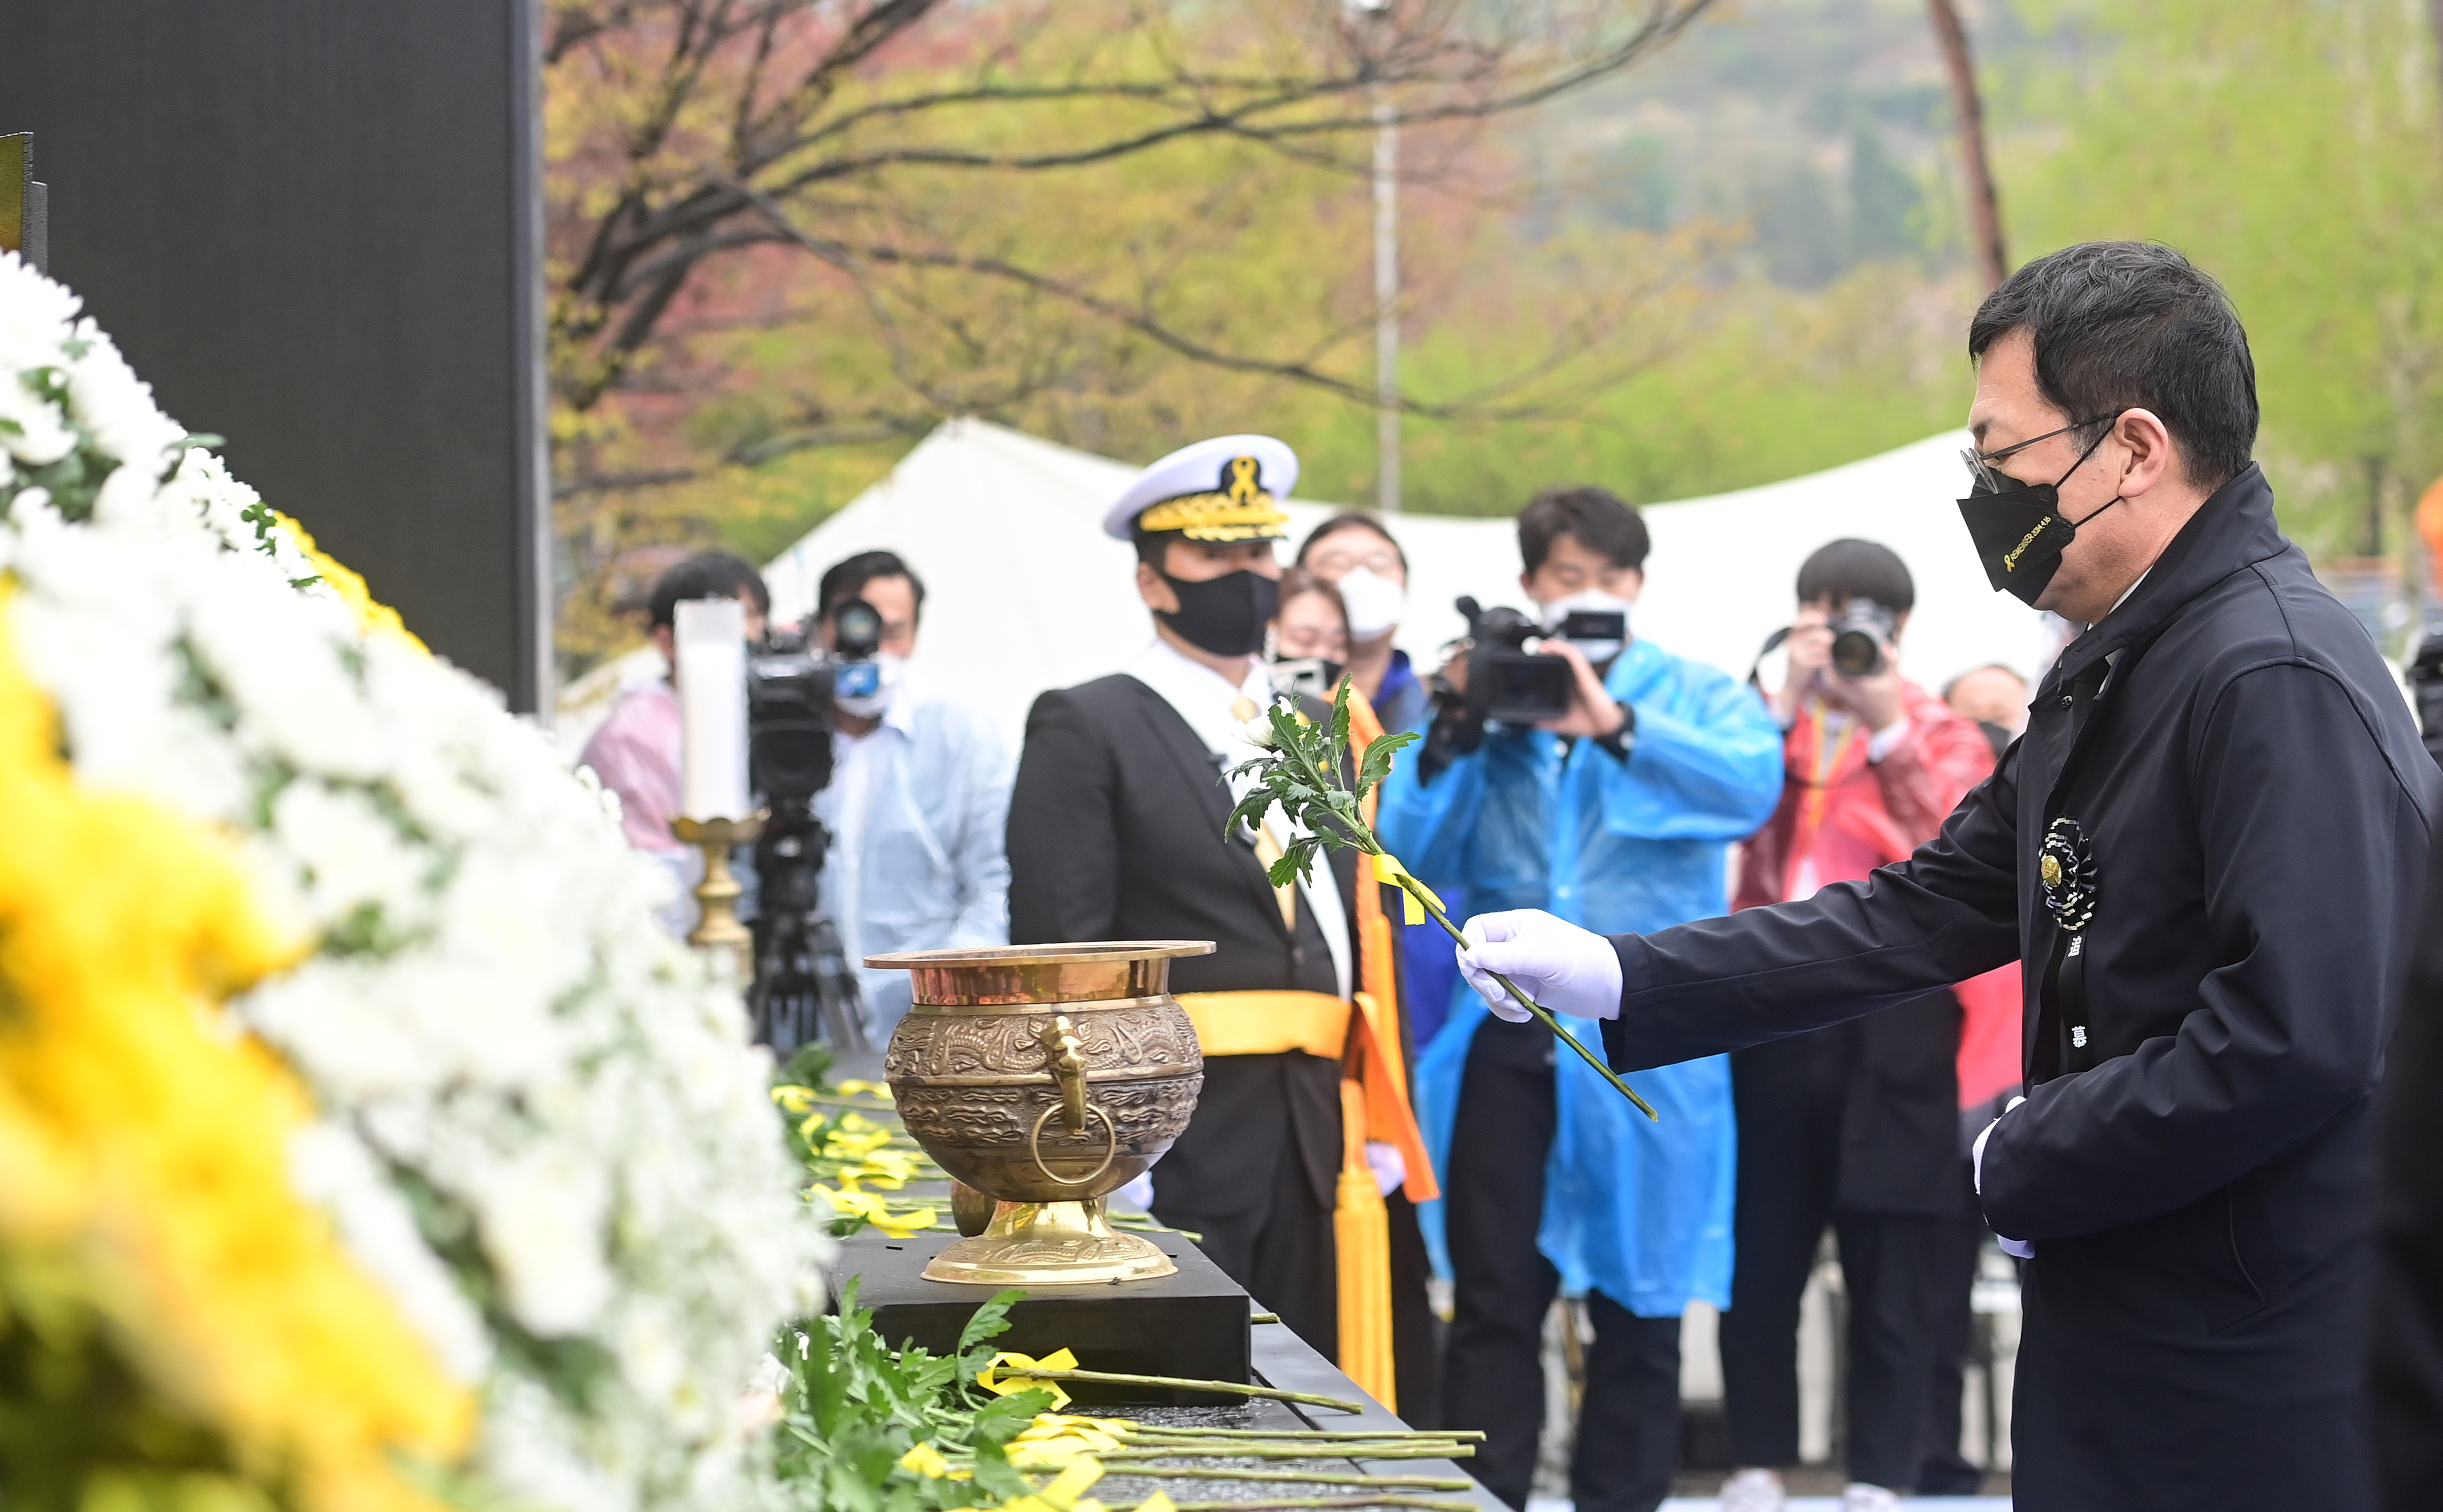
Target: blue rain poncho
[(1638, 1211)]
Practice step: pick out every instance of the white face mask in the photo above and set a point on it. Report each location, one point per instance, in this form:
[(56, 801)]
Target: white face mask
[(1375, 603), (888, 667), (1591, 600)]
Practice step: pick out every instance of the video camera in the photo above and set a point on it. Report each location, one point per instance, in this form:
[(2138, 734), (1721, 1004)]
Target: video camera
[(1510, 685), (802, 984)]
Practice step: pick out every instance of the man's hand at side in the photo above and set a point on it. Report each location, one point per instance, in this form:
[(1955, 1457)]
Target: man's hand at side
[(1566, 968)]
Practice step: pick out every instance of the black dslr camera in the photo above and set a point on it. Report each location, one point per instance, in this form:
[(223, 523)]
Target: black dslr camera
[(1507, 683), (1860, 633), (803, 986)]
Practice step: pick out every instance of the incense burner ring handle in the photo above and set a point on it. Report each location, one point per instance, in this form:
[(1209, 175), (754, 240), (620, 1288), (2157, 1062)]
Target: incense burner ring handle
[(1110, 1149)]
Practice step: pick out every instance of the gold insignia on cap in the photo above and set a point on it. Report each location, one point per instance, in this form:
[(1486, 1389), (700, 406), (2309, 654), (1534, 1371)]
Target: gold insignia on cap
[(1237, 507)]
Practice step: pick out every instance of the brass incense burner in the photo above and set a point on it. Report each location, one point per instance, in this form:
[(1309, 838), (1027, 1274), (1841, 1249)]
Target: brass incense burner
[(1044, 1077)]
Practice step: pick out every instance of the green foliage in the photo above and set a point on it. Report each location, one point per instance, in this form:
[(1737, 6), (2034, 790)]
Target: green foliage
[(2294, 152), (1303, 776), (853, 1407)]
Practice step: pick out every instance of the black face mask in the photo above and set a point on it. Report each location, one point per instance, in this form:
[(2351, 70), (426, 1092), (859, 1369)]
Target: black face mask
[(2019, 532), (1225, 616)]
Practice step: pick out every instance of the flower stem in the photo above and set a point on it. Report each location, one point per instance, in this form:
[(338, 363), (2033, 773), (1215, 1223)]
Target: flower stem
[(1421, 1451), (1542, 1013), (1165, 1431), (1216, 1472), (1294, 1503), (1114, 1378)]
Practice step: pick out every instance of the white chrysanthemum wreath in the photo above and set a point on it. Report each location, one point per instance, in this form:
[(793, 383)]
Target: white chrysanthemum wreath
[(541, 1128)]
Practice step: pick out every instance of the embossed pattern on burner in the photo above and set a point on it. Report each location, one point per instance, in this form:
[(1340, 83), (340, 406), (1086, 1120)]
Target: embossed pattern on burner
[(988, 1050)]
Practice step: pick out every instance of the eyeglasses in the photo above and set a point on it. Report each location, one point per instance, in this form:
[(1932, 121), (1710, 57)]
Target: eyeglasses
[(1983, 476), (1383, 562)]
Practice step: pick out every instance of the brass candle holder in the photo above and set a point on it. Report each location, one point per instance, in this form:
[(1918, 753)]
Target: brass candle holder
[(717, 929)]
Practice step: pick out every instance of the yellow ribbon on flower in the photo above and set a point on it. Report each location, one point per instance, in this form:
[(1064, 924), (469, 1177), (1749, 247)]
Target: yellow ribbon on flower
[(877, 1090), (1414, 895), (1072, 1484), (1059, 1359), (926, 1461)]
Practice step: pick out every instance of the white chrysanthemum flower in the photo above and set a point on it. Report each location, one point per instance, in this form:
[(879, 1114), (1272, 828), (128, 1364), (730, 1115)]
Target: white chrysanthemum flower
[(491, 1019)]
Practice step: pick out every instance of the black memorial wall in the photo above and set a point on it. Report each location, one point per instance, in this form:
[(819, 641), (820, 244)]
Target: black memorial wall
[(314, 226)]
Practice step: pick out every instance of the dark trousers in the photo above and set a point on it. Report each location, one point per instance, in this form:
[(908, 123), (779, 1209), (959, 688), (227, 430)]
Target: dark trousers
[(1244, 1175), (1628, 1428), (1944, 1471), (1789, 1127)]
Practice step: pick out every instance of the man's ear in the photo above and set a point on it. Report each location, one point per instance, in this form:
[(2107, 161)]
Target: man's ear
[(2152, 457), (1630, 584), (1156, 593), (1900, 622), (665, 641)]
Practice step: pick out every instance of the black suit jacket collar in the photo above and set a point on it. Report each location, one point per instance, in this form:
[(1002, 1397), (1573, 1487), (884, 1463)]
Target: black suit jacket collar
[(2231, 530)]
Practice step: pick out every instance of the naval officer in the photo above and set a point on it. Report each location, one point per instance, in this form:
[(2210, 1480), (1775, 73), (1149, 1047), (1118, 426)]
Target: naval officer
[(2205, 850), (1115, 833)]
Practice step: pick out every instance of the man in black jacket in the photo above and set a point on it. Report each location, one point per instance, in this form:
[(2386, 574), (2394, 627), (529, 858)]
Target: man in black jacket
[(1115, 833), (2205, 850)]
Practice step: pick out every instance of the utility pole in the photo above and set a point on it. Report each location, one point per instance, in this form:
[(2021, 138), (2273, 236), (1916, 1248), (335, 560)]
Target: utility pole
[(1386, 297), (1387, 277), (1984, 206)]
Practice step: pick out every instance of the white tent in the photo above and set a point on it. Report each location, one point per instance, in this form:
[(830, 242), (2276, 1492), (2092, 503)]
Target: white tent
[(1024, 591)]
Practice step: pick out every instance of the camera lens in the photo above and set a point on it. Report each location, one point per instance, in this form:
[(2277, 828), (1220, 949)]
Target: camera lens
[(1857, 654), (856, 629)]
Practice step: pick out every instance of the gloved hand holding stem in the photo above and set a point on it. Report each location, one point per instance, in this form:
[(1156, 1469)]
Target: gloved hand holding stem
[(1301, 772)]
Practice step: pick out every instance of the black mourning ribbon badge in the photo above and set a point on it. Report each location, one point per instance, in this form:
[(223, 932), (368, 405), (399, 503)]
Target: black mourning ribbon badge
[(2066, 870), (2066, 865)]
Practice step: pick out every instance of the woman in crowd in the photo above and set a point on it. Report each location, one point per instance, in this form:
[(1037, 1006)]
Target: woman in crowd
[(1311, 621)]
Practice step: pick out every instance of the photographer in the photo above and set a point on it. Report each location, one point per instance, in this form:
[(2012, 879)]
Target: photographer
[(918, 798), (1617, 813), (635, 753), (2209, 846), (1857, 1125)]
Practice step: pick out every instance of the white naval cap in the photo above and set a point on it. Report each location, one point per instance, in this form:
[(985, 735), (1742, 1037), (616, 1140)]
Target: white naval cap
[(1228, 488)]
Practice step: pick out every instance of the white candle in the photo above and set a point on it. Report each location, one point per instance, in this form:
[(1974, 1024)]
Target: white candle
[(711, 637)]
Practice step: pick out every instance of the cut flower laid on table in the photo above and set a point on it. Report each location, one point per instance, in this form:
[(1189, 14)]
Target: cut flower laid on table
[(367, 1146)]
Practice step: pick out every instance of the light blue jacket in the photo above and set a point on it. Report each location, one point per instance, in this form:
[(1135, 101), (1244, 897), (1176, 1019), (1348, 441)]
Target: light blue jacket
[(928, 870), (1638, 1211)]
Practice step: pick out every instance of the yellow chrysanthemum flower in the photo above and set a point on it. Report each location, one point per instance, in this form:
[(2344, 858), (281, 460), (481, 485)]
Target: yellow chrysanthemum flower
[(147, 1150)]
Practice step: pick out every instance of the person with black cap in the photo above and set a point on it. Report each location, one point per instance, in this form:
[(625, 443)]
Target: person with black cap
[(1115, 832)]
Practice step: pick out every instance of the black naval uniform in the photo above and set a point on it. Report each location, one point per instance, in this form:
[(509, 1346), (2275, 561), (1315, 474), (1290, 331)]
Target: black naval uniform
[(1115, 834), (2232, 759)]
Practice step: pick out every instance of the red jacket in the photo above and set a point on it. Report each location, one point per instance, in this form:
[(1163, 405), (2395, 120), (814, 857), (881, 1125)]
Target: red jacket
[(1842, 816)]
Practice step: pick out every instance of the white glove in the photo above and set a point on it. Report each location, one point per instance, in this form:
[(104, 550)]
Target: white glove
[(1391, 1168), (2015, 1249), (1566, 968)]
